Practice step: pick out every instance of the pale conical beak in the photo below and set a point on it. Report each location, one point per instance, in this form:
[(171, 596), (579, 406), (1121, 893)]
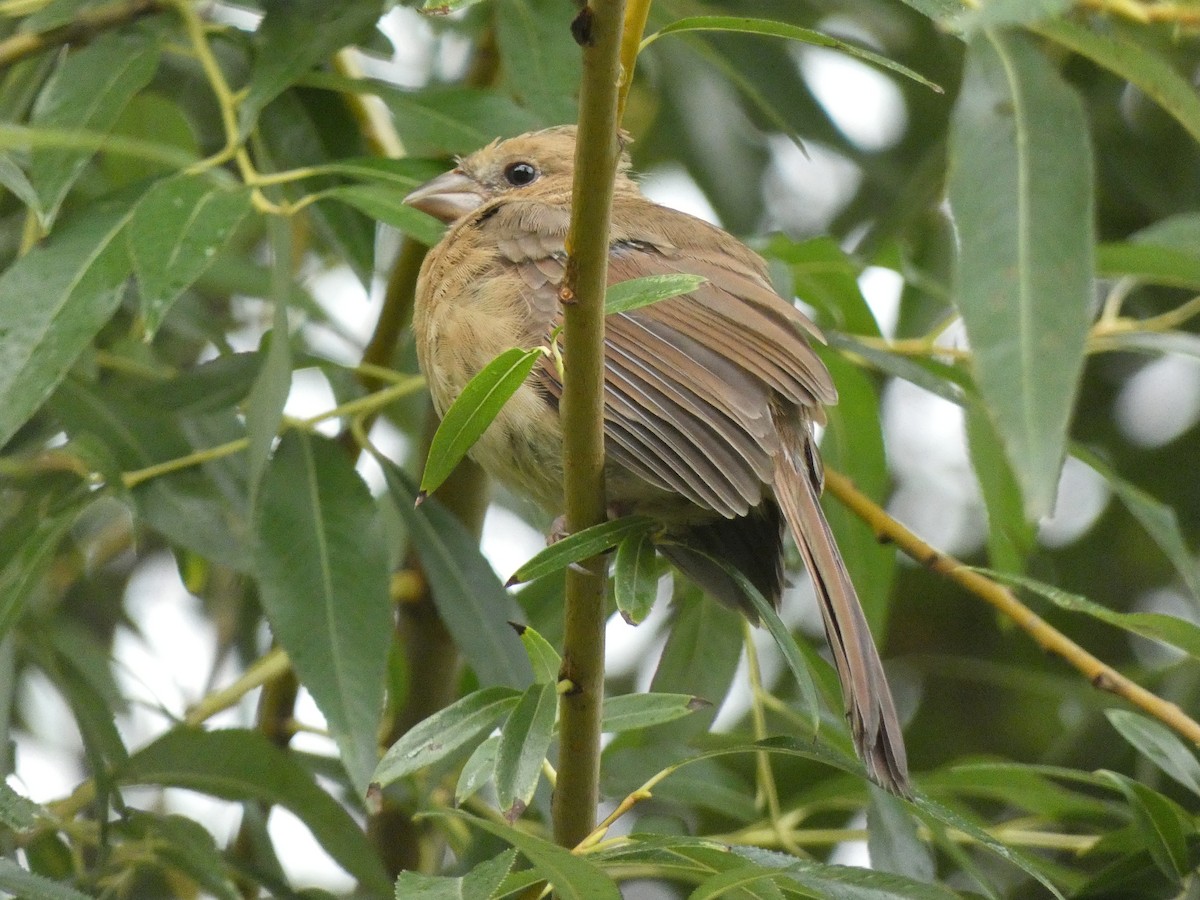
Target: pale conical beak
[(447, 197)]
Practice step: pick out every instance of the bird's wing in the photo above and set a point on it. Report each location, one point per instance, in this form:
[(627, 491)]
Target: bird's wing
[(689, 380)]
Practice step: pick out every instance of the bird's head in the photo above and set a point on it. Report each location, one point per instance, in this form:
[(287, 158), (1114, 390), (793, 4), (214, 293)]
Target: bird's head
[(542, 160)]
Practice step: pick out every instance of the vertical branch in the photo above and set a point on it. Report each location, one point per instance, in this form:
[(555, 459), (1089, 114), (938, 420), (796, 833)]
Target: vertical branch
[(597, 28)]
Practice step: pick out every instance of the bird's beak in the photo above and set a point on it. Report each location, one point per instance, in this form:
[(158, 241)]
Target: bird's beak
[(447, 197)]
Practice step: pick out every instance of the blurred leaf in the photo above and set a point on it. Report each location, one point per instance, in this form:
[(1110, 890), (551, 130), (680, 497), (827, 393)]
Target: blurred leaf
[(627, 712), (1007, 12), (398, 174), (1020, 191), (31, 530), (1158, 744), (580, 546), (635, 577), (772, 28), (1156, 626), (244, 766), (469, 597), (626, 296), (177, 229), (1010, 536), (390, 209), (1154, 342), (16, 811), (1164, 827), (323, 575), (524, 743), (1118, 50), (14, 179), (1153, 264), (1160, 521), (444, 7), (572, 877), (893, 840), (478, 770), (744, 880), (475, 408), (293, 37), (540, 69), (542, 657), (28, 886), (53, 301), (482, 881), (186, 846), (156, 119), (937, 378), (87, 92), (445, 732)]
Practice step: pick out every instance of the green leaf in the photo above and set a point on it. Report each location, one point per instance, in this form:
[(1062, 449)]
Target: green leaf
[(445, 733), (1149, 263), (16, 811), (538, 67), (176, 231), (323, 575), (771, 28), (1117, 49), (1011, 537), (445, 7), (482, 881), (244, 766), (573, 877), (626, 296), (186, 845), (635, 577), (16, 881), (544, 658), (53, 301), (469, 597), (524, 743), (580, 546), (1156, 626), (478, 770), (894, 841), (627, 712), (1163, 826), (293, 37), (473, 411), (1007, 12), (86, 93), (1160, 521), (1158, 744), (389, 208), (744, 880), (1020, 188)]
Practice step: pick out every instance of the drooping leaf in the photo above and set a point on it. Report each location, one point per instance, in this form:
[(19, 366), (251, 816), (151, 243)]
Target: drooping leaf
[(524, 743), (243, 765), (1020, 189), (322, 570), (1158, 744), (53, 301), (176, 231), (542, 656), (479, 768), (473, 411), (1162, 824), (635, 577)]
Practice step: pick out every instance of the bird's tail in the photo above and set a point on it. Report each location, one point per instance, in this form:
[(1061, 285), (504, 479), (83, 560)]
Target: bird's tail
[(868, 699)]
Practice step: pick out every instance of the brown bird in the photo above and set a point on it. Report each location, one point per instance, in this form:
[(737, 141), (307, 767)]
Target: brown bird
[(710, 397)]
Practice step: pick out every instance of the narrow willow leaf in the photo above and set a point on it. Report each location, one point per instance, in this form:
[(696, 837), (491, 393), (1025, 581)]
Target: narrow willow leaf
[(186, 845), (1149, 263), (1020, 189), (1159, 520), (402, 175), (293, 37), (176, 231), (473, 411), (16, 811), (479, 768), (1156, 626), (1007, 12), (469, 597), (544, 658), (53, 301), (1158, 744), (445, 733), (1118, 49), (537, 66), (18, 882), (771, 28), (482, 881), (389, 208), (323, 576), (524, 743), (1163, 825), (1011, 536), (580, 546), (894, 842), (635, 577), (88, 92), (573, 877), (629, 711), (626, 296), (244, 766), (744, 881)]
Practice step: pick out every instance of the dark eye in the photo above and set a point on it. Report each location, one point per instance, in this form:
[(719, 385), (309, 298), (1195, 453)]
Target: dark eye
[(519, 174)]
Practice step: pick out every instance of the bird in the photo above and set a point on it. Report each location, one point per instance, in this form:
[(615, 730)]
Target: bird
[(710, 397)]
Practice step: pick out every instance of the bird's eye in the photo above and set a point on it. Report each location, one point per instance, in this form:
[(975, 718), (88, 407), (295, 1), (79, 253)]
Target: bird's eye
[(519, 174)]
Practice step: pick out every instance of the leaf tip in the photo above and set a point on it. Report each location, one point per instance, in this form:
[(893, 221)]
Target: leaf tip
[(518, 627), (422, 496), (515, 811), (374, 798)]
